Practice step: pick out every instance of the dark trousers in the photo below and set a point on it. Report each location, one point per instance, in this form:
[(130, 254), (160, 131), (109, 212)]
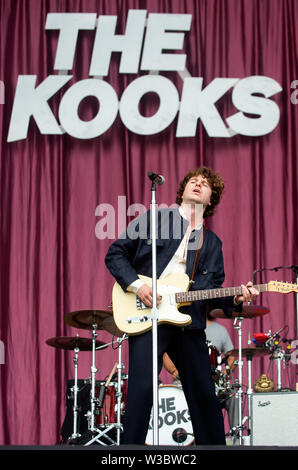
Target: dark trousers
[(188, 350)]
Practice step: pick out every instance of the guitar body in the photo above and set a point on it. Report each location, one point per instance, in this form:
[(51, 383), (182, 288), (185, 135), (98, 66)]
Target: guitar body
[(127, 312)]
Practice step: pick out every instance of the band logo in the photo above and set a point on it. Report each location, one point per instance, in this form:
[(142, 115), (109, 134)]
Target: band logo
[(170, 414), (147, 48)]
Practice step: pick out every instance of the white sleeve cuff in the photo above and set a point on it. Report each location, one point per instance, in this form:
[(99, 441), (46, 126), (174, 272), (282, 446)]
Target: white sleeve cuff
[(134, 286)]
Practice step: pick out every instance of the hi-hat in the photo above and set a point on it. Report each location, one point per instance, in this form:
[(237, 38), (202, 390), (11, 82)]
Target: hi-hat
[(93, 319), (250, 352), (74, 342), (248, 311)]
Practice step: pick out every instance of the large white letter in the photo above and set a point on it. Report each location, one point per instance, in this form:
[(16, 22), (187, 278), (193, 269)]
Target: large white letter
[(30, 101), (108, 109), (105, 228), (199, 104), (69, 25), (129, 104), (267, 110), (106, 41), (158, 39)]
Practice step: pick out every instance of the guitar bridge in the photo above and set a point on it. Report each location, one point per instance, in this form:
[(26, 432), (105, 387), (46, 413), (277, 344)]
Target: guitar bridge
[(138, 319)]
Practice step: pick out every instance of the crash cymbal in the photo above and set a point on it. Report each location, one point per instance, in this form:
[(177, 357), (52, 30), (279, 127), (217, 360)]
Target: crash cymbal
[(86, 319), (250, 352), (248, 311), (72, 342), (110, 326)]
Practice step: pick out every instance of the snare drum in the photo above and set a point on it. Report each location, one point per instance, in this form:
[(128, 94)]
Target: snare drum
[(175, 427), (108, 413)]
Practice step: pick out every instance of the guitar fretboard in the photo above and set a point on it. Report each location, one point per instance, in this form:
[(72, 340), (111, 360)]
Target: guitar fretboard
[(191, 296)]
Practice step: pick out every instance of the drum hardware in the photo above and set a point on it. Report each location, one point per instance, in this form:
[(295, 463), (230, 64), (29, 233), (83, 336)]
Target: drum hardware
[(75, 432), (236, 431), (223, 388), (76, 344), (94, 320), (279, 355), (97, 404), (249, 311), (239, 394), (179, 435), (249, 353)]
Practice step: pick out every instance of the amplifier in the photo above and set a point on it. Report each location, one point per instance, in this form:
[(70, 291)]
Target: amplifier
[(274, 419)]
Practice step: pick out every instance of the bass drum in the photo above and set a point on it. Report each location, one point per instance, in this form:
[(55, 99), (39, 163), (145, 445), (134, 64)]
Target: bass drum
[(175, 427)]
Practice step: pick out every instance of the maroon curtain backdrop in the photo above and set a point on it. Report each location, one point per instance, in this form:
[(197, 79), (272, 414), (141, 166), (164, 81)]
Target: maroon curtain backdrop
[(52, 262)]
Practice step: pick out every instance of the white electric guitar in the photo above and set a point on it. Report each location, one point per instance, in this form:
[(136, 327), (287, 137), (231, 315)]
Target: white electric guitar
[(133, 317)]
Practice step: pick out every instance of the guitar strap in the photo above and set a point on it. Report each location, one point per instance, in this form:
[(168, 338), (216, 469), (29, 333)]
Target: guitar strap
[(199, 249)]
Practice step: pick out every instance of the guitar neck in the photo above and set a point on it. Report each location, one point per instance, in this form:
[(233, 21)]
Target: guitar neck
[(191, 296)]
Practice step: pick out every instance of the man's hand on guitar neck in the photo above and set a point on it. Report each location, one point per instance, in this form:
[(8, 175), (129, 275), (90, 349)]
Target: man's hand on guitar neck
[(249, 293)]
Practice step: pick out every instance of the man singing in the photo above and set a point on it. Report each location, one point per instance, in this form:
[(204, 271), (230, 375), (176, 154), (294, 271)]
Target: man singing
[(183, 245)]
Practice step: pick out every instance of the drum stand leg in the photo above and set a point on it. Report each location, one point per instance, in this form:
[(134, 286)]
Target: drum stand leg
[(120, 366), (249, 395), (91, 414), (279, 357), (75, 433), (239, 394), (93, 380)]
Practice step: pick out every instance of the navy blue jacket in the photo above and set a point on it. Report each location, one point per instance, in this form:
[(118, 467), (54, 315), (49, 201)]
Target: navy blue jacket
[(131, 254)]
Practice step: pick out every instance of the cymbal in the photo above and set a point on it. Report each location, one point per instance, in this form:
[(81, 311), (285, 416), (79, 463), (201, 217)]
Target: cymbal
[(250, 352), (72, 342), (97, 319), (248, 311)]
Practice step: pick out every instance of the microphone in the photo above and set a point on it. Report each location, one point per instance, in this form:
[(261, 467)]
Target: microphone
[(179, 435), (158, 179), (275, 335)]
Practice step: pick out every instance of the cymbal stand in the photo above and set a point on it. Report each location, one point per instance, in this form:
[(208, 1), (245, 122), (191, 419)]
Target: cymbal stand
[(75, 433), (120, 366), (93, 379), (279, 357), (249, 393), (91, 414), (239, 393)]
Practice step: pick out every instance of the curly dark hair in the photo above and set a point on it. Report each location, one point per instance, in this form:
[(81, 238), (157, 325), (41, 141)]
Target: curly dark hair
[(216, 183)]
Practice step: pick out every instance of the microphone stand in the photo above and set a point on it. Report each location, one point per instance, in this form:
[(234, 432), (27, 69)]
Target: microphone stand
[(294, 268), (154, 311)]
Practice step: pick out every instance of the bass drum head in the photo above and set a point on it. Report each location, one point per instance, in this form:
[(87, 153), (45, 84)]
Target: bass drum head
[(174, 423)]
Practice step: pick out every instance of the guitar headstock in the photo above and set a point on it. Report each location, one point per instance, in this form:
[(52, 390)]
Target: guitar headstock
[(282, 287)]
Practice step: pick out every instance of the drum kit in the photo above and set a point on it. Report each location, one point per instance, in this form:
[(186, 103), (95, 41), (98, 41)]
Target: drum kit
[(107, 398)]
